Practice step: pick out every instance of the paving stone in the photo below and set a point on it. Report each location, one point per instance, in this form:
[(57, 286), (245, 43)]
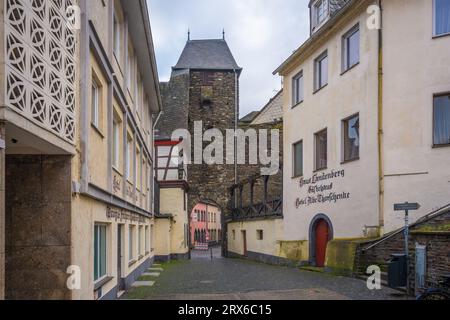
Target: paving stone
[(236, 279), (155, 270)]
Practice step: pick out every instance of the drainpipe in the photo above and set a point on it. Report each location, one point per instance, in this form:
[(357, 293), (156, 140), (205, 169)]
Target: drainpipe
[(380, 122), (236, 120), (155, 175)]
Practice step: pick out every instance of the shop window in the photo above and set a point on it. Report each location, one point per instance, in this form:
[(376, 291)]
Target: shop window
[(100, 252)]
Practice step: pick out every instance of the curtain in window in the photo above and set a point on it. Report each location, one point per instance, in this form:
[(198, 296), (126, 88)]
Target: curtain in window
[(442, 16), (442, 120)]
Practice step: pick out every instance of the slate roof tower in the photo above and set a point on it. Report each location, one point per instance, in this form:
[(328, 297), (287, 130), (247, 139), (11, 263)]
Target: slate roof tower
[(204, 86)]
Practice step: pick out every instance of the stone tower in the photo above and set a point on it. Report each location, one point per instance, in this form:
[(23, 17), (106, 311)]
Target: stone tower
[(204, 86)]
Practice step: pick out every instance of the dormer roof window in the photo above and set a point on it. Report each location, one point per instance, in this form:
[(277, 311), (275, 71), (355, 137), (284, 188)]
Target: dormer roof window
[(320, 13)]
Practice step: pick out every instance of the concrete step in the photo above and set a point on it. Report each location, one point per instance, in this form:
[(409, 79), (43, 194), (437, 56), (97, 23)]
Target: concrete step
[(120, 294), (151, 274), (155, 270), (139, 284)]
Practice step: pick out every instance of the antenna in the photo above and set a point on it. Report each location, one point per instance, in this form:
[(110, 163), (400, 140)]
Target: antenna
[(223, 34), (189, 34)]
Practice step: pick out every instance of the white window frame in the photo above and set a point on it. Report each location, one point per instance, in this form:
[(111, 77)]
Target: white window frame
[(140, 244), (116, 143), (326, 11), (117, 36), (294, 154), (101, 276), (130, 157), (298, 92), (147, 240), (316, 150), (318, 65), (95, 103), (434, 23), (345, 48), (131, 243)]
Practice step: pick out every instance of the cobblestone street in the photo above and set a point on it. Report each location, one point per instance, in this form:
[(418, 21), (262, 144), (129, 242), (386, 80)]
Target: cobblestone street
[(235, 279)]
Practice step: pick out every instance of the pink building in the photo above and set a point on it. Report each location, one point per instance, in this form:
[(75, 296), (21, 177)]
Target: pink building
[(206, 224)]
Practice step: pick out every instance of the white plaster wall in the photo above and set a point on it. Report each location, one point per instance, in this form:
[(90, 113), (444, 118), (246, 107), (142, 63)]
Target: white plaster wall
[(347, 94), (416, 67)]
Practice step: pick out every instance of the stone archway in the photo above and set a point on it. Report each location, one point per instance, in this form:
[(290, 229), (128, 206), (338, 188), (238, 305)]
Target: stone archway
[(194, 202), (319, 221)]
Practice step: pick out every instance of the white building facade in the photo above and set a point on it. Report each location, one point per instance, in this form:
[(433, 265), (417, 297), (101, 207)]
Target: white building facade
[(366, 121)]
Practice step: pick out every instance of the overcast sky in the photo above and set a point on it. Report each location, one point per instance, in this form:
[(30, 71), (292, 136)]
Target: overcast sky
[(261, 35)]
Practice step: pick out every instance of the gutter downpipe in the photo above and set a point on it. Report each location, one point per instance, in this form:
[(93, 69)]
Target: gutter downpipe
[(155, 175), (380, 123), (236, 126)]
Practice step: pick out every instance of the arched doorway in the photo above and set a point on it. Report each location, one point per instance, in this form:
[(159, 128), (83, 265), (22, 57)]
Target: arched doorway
[(320, 233)]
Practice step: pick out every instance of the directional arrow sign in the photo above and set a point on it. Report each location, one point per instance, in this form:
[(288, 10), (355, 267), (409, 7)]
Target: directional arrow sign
[(406, 206)]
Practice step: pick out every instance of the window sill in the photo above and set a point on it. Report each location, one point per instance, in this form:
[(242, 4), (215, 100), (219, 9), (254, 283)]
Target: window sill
[(320, 89), (321, 169), (297, 104), (350, 68), (132, 263), (441, 35), (297, 177), (101, 282), (440, 146), (350, 160), (98, 131)]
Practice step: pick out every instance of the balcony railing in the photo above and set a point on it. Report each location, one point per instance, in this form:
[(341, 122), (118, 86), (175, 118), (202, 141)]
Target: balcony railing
[(263, 205)]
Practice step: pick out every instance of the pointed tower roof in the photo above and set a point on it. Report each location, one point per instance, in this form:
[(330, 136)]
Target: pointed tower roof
[(211, 54)]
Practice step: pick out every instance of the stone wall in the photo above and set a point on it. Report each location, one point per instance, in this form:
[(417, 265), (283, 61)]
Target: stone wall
[(2, 214), (211, 182), (433, 233), (38, 224)]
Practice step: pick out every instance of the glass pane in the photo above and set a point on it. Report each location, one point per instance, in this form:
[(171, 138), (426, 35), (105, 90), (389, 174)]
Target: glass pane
[(130, 243), (102, 251), (298, 159), (442, 17), (442, 120), (351, 143), (323, 71), (321, 150), (300, 89), (96, 253), (353, 49)]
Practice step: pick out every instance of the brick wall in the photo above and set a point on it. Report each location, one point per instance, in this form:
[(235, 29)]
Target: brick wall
[(38, 224)]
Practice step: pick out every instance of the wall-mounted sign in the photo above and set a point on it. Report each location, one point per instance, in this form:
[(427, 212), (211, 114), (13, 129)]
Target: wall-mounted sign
[(406, 206), (121, 215), (320, 189)]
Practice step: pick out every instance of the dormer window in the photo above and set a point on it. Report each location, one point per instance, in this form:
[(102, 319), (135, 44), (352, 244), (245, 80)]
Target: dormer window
[(320, 13)]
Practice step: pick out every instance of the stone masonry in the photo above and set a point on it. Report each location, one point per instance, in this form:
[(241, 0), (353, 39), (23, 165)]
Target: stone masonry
[(211, 182), (2, 214), (38, 220)]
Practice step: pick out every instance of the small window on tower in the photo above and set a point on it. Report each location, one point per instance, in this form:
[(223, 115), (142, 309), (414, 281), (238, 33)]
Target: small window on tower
[(207, 96)]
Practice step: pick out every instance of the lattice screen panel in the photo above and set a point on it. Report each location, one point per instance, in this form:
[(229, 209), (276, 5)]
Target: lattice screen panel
[(40, 64)]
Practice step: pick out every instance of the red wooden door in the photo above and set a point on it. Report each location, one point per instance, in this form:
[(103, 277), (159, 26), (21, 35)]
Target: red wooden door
[(322, 234)]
